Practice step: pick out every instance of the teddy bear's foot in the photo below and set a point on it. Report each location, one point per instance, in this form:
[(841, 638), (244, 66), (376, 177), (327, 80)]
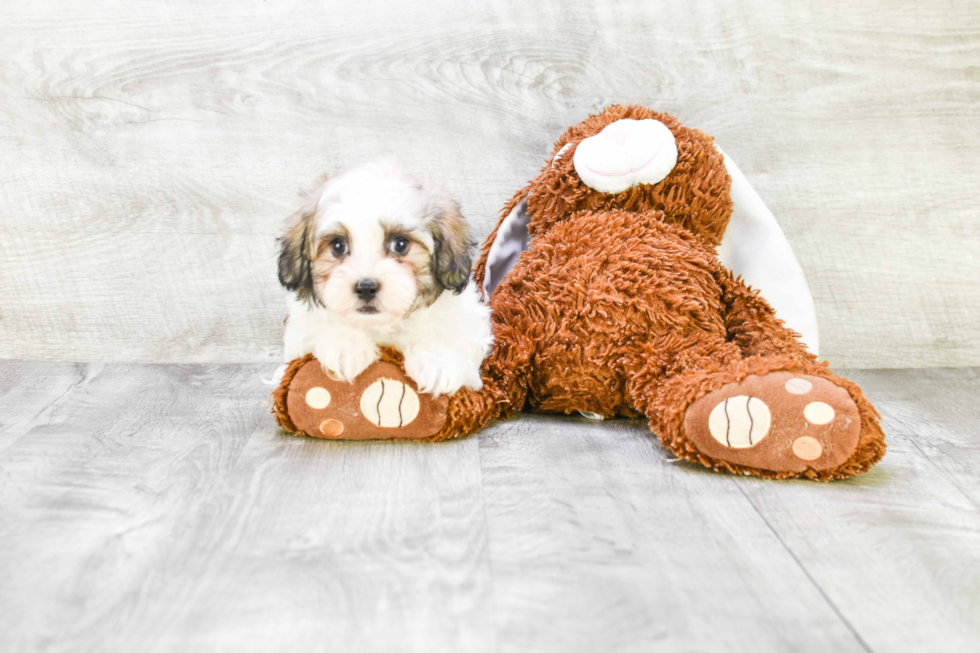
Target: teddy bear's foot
[(381, 403), (779, 422)]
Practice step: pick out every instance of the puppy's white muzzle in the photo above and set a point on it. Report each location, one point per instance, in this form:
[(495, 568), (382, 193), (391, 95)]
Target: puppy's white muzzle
[(624, 154)]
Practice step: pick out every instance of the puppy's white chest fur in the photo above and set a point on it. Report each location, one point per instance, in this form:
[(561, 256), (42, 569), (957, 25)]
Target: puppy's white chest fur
[(444, 343)]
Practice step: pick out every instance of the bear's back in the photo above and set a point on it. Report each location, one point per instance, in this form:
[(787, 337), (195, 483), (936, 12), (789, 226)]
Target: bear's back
[(594, 287)]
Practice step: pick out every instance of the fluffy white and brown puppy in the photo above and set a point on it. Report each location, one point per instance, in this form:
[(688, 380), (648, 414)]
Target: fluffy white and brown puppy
[(375, 258)]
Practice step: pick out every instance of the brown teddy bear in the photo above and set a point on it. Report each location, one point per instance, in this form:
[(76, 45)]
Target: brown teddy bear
[(618, 306)]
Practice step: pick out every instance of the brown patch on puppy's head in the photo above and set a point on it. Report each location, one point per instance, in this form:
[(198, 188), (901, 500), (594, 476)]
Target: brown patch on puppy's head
[(452, 255), (439, 251), (297, 250), (417, 257), (694, 194)]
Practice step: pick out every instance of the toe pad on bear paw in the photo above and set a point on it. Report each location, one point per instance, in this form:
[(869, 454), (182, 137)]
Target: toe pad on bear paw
[(781, 422), (382, 403)]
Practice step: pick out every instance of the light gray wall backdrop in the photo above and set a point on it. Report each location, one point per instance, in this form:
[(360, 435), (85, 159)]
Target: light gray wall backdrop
[(149, 152)]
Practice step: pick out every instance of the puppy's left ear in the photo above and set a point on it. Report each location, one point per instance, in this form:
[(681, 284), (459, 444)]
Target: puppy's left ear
[(296, 256), (452, 257)]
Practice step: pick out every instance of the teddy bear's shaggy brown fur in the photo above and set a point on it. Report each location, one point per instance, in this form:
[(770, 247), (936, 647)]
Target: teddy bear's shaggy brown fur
[(621, 308)]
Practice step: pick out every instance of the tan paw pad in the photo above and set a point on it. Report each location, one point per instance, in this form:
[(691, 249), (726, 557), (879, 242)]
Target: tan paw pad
[(798, 386), (818, 413), (740, 421), (381, 403), (807, 448), (317, 398), (331, 428), (781, 421), (389, 404)]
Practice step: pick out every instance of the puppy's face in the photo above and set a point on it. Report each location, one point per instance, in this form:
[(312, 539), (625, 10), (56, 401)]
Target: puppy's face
[(372, 245)]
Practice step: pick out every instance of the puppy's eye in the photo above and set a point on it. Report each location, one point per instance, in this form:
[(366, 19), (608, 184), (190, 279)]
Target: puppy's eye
[(339, 247), (399, 245)]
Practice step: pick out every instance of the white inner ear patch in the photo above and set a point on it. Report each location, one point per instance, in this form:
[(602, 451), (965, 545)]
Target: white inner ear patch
[(317, 398), (564, 148), (740, 422), (626, 153)]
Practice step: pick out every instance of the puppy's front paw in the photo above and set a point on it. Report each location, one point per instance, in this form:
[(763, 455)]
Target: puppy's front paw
[(440, 372), (345, 360)]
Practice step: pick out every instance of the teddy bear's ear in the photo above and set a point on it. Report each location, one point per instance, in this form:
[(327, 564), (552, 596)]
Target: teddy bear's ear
[(512, 238), (755, 248)]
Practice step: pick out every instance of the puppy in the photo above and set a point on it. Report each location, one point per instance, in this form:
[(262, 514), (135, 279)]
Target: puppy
[(375, 258)]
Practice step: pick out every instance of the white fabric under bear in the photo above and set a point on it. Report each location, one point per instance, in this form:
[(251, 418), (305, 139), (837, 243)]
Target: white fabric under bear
[(755, 248)]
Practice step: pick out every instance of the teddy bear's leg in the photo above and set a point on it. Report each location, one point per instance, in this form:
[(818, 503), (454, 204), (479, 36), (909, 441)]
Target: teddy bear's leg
[(766, 416), (758, 403), (504, 388), (768, 345)]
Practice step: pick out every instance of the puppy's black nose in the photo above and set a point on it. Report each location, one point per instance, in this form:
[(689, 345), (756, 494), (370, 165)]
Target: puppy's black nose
[(366, 289)]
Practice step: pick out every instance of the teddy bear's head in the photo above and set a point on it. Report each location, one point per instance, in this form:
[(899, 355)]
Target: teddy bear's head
[(635, 159)]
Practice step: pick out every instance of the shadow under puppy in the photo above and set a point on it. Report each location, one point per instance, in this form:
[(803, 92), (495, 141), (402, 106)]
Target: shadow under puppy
[(369, 258)]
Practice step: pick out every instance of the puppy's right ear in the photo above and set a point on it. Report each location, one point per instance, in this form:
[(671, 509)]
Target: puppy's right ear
[(296, 255)]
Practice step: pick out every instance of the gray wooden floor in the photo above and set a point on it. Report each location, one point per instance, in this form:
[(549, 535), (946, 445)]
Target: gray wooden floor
[(157, 508)]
